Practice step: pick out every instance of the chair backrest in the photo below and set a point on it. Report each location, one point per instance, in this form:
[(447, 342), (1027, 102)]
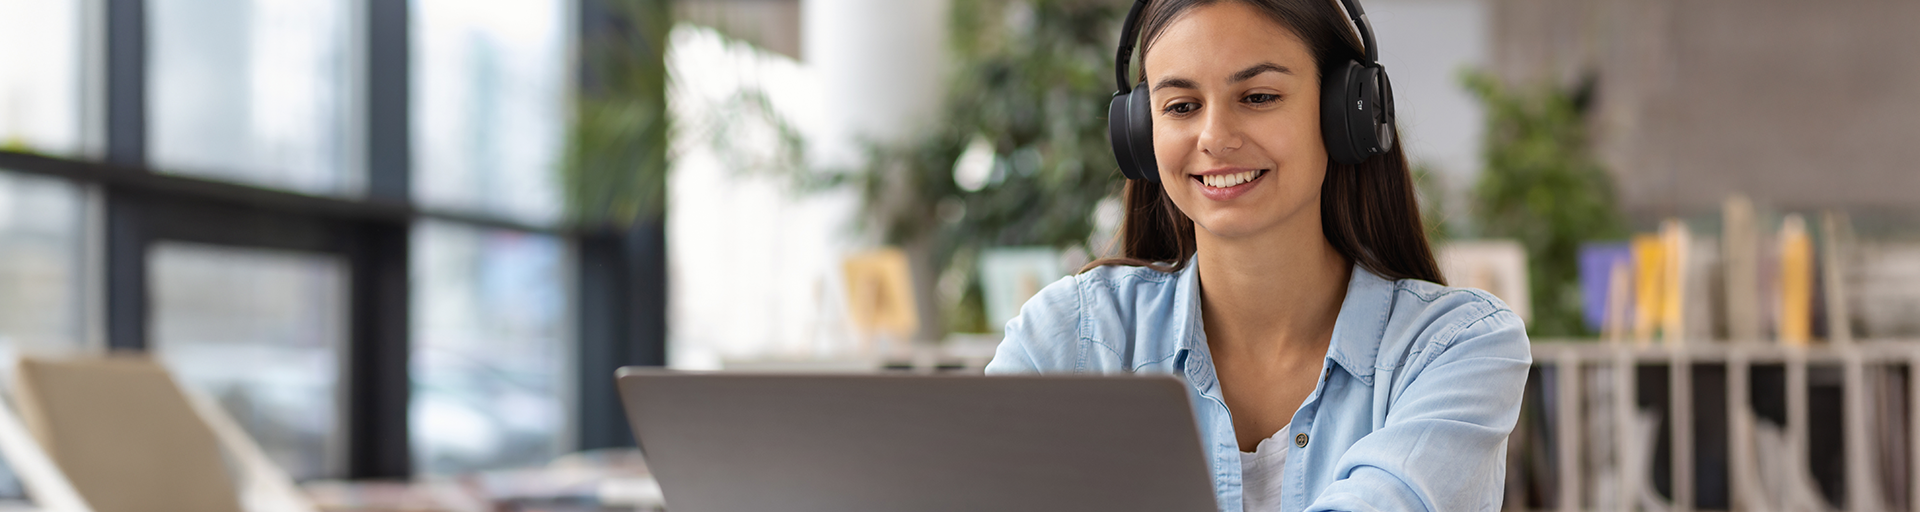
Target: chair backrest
[(45, 488), (126, 435)]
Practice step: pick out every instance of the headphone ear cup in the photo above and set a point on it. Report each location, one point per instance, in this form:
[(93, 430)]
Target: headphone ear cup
[(1370, 116), (1383, 117), (1363, 120), (1140, 132), (1356, 113), (1117, 121), (1130, 132), (1338, 103)]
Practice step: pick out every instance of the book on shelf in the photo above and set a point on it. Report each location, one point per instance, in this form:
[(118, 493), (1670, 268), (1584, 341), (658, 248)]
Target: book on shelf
[(1794, 320), (1677, 242), (1762, 277), (1740, 267), (1601, 265), (1649, 269)]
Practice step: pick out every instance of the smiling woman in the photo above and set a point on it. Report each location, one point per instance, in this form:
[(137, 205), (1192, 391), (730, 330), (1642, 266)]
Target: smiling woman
[(1272, 254), (1374, 221)]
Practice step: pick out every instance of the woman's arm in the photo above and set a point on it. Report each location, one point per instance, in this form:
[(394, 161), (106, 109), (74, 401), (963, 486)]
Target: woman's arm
[(1047, 322), (1444, 444), (1012, 356)]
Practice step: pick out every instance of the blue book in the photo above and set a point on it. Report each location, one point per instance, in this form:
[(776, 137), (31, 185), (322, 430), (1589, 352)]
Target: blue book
[(1597, 264)]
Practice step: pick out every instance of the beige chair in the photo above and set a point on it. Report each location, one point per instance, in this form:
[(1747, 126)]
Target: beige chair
[(131, 439), (45, 485)]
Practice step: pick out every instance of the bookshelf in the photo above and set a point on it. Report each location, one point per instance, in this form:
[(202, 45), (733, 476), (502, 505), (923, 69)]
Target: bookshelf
[(1747, 489)]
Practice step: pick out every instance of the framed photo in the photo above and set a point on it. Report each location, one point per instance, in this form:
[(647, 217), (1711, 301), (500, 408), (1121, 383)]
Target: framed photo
[(1011, 275), (1497, 266)]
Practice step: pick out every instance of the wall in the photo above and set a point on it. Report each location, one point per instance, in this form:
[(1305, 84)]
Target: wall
[(1801, 105)]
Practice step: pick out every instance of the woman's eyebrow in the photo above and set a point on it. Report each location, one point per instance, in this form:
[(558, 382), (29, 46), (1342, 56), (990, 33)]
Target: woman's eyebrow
[(1242, 76), (1175, 82), (1256, 70)]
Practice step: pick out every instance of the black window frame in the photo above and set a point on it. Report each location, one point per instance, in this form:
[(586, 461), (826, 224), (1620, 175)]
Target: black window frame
[(620, 293)]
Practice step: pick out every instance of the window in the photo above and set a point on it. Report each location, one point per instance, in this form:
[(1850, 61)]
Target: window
[(40, 76), (43, 301), (489, 356), (490, 105), (262, 332), (438, 332), (256, 91), (739, 237)]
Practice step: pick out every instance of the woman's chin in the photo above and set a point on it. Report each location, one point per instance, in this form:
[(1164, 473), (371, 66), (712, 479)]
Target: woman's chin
[(1269, 220), (1234, 225)]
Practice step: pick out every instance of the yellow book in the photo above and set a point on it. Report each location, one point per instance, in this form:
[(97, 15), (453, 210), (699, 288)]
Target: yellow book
[(1673, 287), (1796, 283), (1649, 270)]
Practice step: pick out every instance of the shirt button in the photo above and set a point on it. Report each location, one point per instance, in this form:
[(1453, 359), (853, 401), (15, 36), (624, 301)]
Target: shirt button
[(1300, 440)]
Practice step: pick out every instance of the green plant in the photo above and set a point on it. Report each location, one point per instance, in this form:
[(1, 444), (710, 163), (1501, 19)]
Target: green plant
[(1543, 187), (16, 144), (1032, 81), (614, 167)]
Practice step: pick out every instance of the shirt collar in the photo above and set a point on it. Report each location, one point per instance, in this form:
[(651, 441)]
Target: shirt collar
[(1186, 297), (1357, 331), (1362, 323)]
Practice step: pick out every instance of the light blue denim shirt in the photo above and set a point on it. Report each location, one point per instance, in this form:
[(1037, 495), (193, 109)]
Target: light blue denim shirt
[(1420, 386)]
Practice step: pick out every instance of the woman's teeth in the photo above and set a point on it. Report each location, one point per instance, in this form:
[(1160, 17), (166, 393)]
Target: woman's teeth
[(1228, 180)]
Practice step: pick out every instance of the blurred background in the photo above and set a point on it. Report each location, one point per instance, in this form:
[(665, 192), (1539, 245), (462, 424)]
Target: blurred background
[(404, 244)]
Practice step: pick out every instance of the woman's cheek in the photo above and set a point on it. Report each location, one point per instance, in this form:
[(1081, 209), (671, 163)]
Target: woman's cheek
[(1170, 152), (1286, 136)]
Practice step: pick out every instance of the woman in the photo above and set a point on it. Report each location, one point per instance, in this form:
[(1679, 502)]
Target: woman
[(1296, 295)]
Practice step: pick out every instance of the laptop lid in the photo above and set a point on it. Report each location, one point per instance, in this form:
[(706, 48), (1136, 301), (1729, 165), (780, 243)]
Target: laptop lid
[(748, 442)]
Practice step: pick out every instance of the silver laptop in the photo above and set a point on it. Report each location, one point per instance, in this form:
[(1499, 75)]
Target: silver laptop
[(751, 442)]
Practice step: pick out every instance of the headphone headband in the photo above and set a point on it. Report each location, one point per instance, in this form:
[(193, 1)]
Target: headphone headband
[(1129, 31), (1365, 28), (1129, 34)]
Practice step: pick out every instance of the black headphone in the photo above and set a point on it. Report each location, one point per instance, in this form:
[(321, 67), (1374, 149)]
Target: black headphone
[(1356, 105)]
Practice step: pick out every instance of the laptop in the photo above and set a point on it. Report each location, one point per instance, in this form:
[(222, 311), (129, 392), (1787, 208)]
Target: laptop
[(750, 442)]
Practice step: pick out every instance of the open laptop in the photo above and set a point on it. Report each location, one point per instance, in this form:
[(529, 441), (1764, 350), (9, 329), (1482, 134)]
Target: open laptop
[(752, 442)]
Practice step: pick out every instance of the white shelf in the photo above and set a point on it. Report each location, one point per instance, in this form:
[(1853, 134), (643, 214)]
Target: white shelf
[(1625, 359)]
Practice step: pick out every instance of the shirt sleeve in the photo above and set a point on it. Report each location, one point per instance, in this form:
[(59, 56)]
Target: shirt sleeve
[(1443, 446), (1045, 325)]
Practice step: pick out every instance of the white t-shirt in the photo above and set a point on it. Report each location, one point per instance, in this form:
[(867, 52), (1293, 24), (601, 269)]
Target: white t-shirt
[(1260, 472)]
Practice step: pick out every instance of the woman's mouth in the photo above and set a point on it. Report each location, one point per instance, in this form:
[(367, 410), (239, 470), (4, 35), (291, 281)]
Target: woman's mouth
[(1222, 187), (1230, 180)]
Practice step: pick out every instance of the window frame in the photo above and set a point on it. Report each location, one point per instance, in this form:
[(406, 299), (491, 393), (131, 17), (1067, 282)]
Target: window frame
[(619, 297)]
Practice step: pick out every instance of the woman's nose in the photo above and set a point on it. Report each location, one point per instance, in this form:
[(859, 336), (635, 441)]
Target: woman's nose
[(1220, 133)]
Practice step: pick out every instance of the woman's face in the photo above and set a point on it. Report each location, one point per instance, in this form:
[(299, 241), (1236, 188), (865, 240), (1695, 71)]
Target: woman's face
[(1236, 123)]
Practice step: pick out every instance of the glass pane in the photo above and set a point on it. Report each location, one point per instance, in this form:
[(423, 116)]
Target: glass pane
[(13, 494), (42, 304), (490, 355), (42, 285), (262, 331), (755, 263), (489, 105), (255, 91), (40, 76)]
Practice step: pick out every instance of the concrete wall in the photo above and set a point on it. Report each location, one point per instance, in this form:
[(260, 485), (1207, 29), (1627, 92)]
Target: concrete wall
[(1425, 44), (1801, 105)]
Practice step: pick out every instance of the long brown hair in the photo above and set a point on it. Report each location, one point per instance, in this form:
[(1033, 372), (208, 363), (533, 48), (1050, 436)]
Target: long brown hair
[(1368, 212)]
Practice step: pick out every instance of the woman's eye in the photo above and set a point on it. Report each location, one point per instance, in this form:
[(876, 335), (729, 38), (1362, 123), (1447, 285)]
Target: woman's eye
[(1182, 108), (1262, 98)]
